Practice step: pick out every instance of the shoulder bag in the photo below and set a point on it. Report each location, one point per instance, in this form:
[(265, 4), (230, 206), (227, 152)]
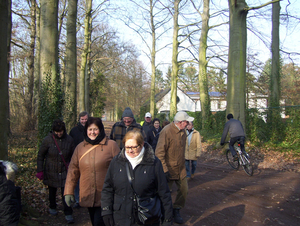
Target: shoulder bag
[(94, 146), (60, 153), (148, 210)]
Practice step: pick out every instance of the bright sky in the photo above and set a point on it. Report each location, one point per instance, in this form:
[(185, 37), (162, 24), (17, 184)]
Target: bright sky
[(289, 33)]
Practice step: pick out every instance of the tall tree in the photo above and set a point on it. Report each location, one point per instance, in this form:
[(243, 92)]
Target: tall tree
[(84, 58), (237, 59), (149, 28), (153, 53), (175, 67), (70, 105), (37, 68), (49, 39), (29, 103), (236, 76), (4, 101), (51, 100), (274, 115), (203, 80)]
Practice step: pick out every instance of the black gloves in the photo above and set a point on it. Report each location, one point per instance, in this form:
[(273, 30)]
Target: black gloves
[(108, 220), (221, 144), (167, 174)]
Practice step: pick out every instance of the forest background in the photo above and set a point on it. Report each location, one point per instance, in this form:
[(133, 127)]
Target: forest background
[(102, 56)]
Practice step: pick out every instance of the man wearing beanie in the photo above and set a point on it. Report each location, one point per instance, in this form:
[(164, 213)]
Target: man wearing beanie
[(126, 124)]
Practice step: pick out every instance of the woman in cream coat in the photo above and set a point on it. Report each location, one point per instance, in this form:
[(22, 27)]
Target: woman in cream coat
[(193, 150)]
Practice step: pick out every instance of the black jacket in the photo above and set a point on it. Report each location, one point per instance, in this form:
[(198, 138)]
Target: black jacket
[(77, 133), (147, 126), (9, 203), (152, 136), (50, 162), (149, 178)]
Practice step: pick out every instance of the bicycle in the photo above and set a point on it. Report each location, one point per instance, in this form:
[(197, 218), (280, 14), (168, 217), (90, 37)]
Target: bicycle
[(243, 159)]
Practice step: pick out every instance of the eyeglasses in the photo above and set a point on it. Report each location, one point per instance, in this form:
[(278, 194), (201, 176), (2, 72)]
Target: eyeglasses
[(134, 148)]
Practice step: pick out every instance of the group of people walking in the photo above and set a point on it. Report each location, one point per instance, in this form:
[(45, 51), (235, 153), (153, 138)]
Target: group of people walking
[(135, 162)]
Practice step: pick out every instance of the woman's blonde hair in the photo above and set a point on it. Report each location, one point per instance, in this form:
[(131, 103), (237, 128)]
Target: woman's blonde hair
[(134, 134)]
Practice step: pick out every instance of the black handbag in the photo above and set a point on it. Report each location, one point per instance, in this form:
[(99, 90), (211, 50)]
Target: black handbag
[(147, 209)]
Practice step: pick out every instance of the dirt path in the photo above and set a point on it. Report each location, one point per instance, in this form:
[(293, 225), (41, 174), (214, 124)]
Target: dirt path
[(219, 195)]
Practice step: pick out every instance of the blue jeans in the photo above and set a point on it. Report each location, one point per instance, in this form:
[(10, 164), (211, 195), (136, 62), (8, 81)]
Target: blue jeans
[(187, 167)]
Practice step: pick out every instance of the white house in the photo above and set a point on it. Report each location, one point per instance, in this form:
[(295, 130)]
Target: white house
[(189, 101)]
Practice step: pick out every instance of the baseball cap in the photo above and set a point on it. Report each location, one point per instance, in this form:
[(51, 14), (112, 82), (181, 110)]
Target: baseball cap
[(148, 115), (183, 116)]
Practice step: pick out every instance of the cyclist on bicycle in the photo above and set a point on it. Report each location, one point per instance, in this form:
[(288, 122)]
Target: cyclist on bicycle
[(236, 131)]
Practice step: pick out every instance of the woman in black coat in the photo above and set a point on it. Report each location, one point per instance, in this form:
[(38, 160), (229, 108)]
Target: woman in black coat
[(153, 133), (52, 167), (148, 179)]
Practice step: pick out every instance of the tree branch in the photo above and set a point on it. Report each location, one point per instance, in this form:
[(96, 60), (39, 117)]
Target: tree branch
[(261, 6)]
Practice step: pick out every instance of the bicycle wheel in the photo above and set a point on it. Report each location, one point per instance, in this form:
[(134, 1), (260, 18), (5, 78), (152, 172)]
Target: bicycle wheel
[(247, 166), (234, 164)]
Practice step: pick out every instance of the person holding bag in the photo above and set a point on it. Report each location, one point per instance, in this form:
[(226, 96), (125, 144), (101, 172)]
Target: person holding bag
[(135, 190), (53, 158), (90, 162)]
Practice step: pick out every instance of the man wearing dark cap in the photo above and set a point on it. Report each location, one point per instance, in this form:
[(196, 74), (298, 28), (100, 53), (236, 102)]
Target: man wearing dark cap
[(126, 124), (236, 131), (170, 150)]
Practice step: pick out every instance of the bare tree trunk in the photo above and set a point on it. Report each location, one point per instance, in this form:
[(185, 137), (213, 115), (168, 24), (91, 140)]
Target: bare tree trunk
[(153, 52), (275, 72), (84, 55), (237, 60), (37, 69), (174, 73), (29, 104), (203, 81), (71, 67), (116, 115), (49, 39), (4, 100)]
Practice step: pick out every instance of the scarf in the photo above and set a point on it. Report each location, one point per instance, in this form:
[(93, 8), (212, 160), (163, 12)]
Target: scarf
[(98, 139), (190, 134), (137, 159)]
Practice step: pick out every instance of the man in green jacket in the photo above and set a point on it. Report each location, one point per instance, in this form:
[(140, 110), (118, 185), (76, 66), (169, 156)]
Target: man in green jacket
[(170, 150)]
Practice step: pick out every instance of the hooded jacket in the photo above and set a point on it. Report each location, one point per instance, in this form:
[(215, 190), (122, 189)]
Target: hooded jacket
[(193, 151), (50, 161), (148, 179), (91, 169), (170, 150)]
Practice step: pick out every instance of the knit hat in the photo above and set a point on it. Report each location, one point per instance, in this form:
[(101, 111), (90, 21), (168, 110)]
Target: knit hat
[(127, 113)]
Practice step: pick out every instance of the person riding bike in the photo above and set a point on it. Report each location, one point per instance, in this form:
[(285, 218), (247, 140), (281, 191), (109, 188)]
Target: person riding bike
[(236, 131)]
